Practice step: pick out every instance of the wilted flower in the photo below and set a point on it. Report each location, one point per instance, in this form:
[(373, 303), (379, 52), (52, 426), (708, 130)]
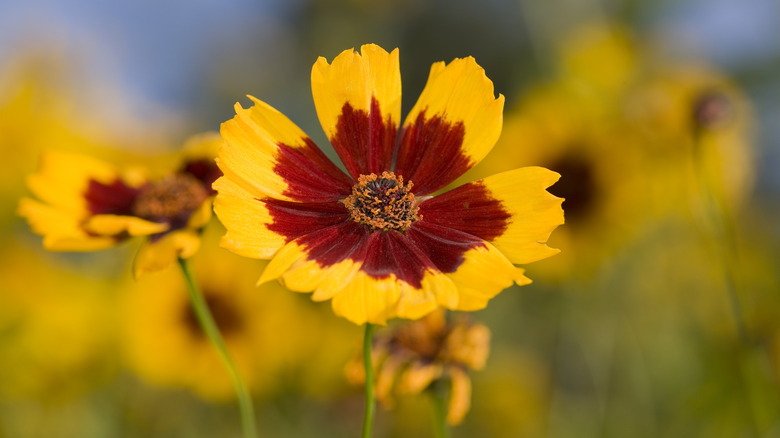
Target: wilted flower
[(413, 356)]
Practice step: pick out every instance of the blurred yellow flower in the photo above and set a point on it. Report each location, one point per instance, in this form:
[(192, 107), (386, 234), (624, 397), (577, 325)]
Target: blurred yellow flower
[(697, 128), (414, 355), (165, 345), (85, 204)]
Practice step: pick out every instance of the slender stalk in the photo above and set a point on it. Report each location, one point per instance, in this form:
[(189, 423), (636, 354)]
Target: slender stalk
[(368, 417), (211, 330), (439, 410)]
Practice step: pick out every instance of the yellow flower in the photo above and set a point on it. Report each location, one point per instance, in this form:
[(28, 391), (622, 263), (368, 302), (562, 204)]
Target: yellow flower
[(165, 345), (421, 352), (697, 125), (373, 240), (85, 204)]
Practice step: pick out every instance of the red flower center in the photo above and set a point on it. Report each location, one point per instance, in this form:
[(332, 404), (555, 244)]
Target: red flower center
[(382, 202), (174, 197)]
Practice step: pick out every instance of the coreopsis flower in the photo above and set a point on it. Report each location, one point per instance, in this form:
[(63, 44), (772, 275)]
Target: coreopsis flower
[(85, 204), (415, 355), (373, 240)]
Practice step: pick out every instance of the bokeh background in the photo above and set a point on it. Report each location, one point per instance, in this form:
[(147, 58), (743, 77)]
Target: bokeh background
[(660, 318)]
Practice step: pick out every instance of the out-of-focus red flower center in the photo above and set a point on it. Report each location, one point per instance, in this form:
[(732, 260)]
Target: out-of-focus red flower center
[(173, 197)]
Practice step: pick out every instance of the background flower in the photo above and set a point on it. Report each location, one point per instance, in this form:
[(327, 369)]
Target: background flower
[(432, 355), (84, 204)]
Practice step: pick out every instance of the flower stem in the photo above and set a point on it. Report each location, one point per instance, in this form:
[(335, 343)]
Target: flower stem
[(211, 330), (368, 417), (439, 409)]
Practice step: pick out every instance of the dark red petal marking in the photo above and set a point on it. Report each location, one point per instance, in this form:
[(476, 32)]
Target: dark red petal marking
[(391, 252), (468, 208), (364, 141), (329, 236), (204, 170), (336, 243), (114, 198), (443, 246), (310, 175), (430, 153), (295, 219)]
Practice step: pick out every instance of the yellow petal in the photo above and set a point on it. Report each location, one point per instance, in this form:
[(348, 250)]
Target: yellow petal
[(386, 377), (201, 216), (61, 231), (335, 279), (269, 156), (419, 376), (246, 220), (282, 261), (437, 290), (457, 101), (163, 252), (308, 275), (62, 178), (460, 396), (111, 224), (535, 213), (484, 273), (369, 299), (468, 344), (358, 100)]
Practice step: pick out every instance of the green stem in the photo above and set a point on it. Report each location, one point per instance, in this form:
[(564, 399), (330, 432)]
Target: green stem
[(211, 330), (368, 417), (439, 405)]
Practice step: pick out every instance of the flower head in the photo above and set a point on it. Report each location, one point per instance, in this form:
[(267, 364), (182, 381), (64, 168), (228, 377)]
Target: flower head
[(373, 239), (85, 204), (417, 354)]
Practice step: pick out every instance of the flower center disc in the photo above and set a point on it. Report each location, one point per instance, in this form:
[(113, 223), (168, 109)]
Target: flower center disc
[(382, 202), (176, 195)]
